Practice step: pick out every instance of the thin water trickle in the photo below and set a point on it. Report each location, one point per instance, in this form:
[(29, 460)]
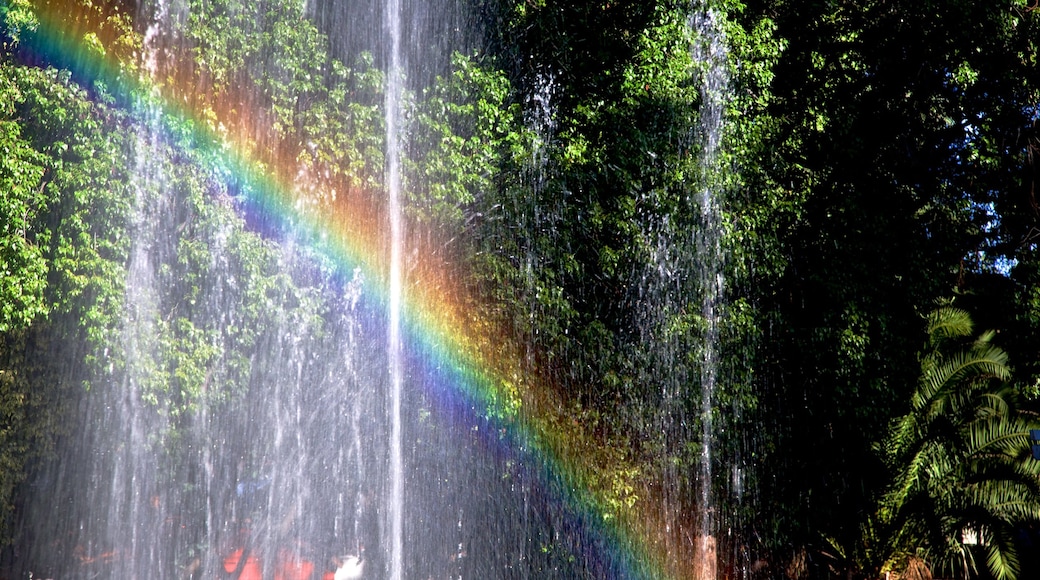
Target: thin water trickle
[(709, 51), (394, 90)]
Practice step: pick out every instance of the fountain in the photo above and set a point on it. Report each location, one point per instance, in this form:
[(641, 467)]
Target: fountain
[(297, 392), (392, 110)]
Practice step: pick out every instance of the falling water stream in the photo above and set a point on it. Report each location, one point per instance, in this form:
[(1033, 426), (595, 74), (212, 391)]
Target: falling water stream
[(394, 87), (709, 51)]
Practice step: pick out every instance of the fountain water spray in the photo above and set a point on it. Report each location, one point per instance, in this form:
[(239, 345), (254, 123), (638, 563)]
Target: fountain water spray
[(394, 89), (295, 403), (709, 51)]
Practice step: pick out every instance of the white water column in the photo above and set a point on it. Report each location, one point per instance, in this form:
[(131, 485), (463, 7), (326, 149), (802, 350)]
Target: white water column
[(710, 52), (394, 84)]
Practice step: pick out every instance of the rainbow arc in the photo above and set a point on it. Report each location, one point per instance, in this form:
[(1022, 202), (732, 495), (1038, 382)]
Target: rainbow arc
[(465, 364)]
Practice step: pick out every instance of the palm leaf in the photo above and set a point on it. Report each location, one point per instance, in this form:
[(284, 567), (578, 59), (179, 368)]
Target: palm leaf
[(1001, 556), (959, 458), (948, 322), (964, 368)]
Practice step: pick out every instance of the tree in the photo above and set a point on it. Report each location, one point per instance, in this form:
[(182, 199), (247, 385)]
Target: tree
[(897, 152), (23, 270), (959, 461)]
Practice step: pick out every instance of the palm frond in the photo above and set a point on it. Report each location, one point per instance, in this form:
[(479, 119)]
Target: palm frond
[(963, 368), (948, 322), (959, 459), (1001, 556)]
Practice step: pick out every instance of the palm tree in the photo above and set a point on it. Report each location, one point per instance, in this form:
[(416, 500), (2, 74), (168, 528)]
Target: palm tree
[(963, 477)]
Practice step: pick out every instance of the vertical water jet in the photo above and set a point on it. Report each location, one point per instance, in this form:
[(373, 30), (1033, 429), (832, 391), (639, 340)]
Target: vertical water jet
[(394, 89), (709, 52)]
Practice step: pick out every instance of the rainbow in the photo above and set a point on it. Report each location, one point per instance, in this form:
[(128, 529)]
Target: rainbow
[(442, 339)]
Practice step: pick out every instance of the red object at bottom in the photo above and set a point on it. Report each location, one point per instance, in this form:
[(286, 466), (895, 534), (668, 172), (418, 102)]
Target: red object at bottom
[(290, 567), (250, 570)]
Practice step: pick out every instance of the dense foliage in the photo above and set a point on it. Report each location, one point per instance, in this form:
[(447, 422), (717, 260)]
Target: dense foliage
[(905, 135), (869, 163), (63, 209)]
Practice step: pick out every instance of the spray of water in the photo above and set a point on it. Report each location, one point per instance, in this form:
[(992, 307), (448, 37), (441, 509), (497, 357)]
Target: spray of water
[(709, 51), (291, 456), (394, 89)]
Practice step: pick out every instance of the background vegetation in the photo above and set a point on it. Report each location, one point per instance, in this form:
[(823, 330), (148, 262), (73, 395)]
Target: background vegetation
[(877, 184)]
